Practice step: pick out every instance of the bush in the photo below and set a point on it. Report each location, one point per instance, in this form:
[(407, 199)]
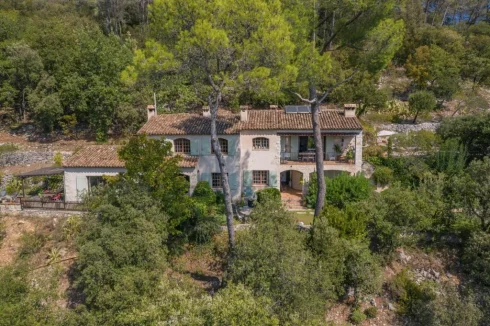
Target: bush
[(346, 188), (269, 194), (31, 243), (371, 312), (476, 257), (58, 159), (350, 222), (204, 193), (272, 261), (383, 176), (341, 190), (412, 298), (357, 317)]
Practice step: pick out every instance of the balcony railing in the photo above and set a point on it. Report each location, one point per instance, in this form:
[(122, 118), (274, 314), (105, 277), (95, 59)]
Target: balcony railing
[(310, 156)]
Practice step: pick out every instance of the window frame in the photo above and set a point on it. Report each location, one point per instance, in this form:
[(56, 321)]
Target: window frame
[(223, 144), (262, 177), (181, 145), (263, 146), (219, 180), (99, 179)]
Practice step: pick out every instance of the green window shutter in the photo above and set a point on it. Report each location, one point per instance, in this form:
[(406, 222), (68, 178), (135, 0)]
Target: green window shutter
[(294, 147), (206, 146), (272, 179), (205, 177), (232, 146), (195, 148), (82, 186), (233, 180)]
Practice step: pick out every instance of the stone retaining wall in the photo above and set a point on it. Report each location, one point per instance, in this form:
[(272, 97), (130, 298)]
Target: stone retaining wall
[(28, 157), (403, 128)]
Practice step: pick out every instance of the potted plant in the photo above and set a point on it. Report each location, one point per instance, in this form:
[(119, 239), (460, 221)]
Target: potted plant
[(338, 150), (350, 156)]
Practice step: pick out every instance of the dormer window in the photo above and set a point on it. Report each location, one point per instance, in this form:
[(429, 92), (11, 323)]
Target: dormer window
[(182, 146), (260, 144)]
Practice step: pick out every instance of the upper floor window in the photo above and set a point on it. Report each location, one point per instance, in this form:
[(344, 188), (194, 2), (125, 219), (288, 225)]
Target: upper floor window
[(260, 143), (260, 177), (182, 145), (223, 144)]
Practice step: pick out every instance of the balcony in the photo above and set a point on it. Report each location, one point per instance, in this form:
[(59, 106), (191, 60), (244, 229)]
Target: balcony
[(309, 157)]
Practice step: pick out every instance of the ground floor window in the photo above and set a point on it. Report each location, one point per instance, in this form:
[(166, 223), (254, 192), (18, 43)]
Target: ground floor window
[(261, 177), (94, 181), (216, 181)]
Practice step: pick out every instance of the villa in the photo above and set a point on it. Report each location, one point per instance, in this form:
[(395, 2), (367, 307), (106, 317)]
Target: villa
[(262, 148)]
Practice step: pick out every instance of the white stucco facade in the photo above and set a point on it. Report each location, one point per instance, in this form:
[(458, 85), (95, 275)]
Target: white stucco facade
[(76, 180), (243, 162)]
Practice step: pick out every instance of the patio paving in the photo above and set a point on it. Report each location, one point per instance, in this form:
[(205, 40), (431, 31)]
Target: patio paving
[(292, 198)]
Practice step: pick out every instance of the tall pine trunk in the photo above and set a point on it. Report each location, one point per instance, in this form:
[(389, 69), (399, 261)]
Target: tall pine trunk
[(213, 107), (317, 136)]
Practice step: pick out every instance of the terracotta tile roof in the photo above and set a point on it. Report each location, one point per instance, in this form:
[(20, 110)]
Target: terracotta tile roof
[(105, 156), (189, 124), (278, 119), (188, 161), (95, 156), (195, 124)]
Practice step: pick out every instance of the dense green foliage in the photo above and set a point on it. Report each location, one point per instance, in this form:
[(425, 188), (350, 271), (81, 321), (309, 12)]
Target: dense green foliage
[(94, 65), (269, 194), (341, 190)]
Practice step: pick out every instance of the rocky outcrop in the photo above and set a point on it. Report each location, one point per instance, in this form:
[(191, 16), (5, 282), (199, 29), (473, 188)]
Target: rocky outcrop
[(28, 157), (403, 128)]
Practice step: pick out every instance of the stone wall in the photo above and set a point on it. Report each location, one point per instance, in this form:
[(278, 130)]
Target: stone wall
[(28, 157), (403, 128)]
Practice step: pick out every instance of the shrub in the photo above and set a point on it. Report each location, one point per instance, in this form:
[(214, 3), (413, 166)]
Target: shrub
[(272, 261), (346, 188), (6, 148), (269, 194), (341, 190), (357, 317), (383, 176), (350, 222), (371, 312), (204, 193), (412, 297), (31, 243), (58, 159), (242, 308), (476, 257), (13, 186)]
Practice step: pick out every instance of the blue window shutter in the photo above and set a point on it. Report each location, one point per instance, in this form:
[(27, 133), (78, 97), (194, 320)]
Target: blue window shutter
[(82, 187), (206, 177), (233, 180), (294, 147), (195, 148), (206, 146), (272, 179), (232, 146)]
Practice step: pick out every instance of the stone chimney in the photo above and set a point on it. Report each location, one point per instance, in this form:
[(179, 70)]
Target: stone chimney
[(273, 107), (151, 111), (244, 113), (350, 110), (205, 111)]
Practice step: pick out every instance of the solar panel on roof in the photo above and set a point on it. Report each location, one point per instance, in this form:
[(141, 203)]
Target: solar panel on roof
[(291, 109), (304, 109)]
